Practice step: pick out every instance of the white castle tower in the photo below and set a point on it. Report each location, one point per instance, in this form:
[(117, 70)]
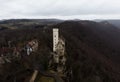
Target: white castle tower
[(58, 57), (55, 38)]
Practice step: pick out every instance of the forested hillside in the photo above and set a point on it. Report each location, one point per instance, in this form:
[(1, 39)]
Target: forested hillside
[(92, 51)]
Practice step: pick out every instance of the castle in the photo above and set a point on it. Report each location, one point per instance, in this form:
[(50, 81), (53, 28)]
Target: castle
[(58, 56)]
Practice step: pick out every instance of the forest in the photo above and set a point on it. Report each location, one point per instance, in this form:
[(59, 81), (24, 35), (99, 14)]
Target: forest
[(92, 50)]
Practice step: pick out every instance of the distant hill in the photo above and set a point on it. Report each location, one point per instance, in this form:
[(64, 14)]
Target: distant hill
[(27, 23), (43, 21), (114, 22)]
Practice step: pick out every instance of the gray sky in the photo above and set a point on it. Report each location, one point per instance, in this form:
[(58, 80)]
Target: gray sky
[(62, 9)]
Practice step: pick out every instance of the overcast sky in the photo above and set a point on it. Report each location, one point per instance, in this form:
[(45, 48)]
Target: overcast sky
[(63, 9)]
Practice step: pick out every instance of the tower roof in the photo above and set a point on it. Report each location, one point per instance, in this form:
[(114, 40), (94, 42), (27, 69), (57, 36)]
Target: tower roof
[(55, 29)]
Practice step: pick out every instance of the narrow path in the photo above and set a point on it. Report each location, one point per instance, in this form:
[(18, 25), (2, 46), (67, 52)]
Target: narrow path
[(35, 73), (47, 74), (53, 75)]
